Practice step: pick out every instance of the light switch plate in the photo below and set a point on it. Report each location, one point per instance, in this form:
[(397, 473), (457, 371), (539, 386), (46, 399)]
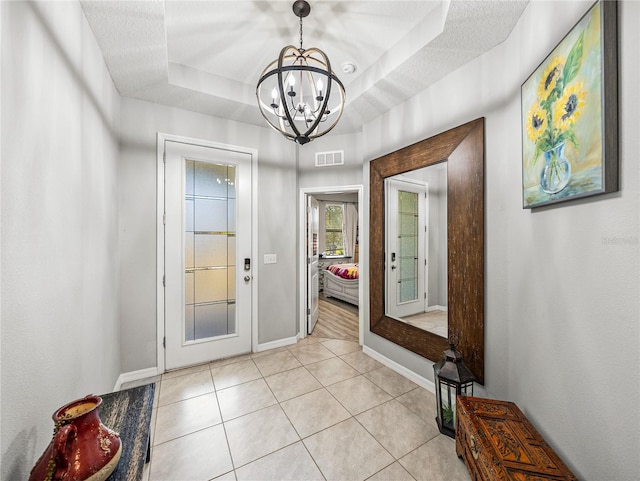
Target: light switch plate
[(270, 258)]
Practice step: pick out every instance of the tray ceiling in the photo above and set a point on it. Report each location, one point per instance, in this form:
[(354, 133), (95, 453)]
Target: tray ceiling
[(206, 56)]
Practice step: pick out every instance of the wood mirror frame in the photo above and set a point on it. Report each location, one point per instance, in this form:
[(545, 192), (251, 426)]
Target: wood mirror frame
[(463, 148)]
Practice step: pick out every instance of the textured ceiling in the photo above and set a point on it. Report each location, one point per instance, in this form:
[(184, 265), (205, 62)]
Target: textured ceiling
[(206, 56)]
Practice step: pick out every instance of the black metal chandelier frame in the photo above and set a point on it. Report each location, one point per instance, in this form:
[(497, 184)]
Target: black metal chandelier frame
[(284, 114)]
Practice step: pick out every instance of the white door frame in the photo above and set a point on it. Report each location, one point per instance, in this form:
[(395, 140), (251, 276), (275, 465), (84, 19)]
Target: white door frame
[(313, 273), (160, 211), (302, 260)]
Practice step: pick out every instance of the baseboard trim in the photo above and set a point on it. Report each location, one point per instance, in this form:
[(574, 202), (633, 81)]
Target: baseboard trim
[(275, 344), (153, 371), (400, 369), (135, 376), (436, 308)]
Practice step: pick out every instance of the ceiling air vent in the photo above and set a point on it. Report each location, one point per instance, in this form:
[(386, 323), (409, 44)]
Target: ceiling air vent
[(326, 159)]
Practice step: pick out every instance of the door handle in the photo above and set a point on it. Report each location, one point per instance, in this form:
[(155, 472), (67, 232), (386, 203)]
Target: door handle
[(247, 278), (393, 268)]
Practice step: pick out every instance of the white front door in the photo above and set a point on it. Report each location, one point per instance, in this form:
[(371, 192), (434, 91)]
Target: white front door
[(313, 227), (405, 249), (207, 253)]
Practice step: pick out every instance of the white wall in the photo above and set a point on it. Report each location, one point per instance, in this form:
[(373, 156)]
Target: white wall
[(137, 182), (348, 174), (60, 329), (562, 311)]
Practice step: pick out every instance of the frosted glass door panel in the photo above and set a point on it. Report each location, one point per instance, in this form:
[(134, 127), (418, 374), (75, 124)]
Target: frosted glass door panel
[(407, 268), (407, 290), (231, 283), (407, 201), (211, 215), (211, 320), (231, 217), (189, 322), (231, 317), (189, 250), (189, 212), (214, 180), (231, 249), (189, 288), (408, 224), (211, 285), (209, 250), (189, 184), (407, 246)]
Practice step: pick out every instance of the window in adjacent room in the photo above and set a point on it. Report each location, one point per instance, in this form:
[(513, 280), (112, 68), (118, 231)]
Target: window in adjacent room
[(334, 240)]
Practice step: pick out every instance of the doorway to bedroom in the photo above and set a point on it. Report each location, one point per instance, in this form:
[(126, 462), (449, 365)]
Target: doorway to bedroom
[(330, 291)]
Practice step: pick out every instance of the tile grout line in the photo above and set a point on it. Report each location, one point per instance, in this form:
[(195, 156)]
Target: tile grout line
[(279, 403), (224, 428), (300, 439)]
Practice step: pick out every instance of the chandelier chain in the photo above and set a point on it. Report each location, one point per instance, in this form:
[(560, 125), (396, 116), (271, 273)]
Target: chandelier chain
[(300, 32)]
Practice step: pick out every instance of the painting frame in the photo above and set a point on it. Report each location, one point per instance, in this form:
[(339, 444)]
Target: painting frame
[(569, 114)]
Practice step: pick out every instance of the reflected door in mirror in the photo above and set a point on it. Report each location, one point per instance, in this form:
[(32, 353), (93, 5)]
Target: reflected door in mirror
[(416, 248), (405, 247)]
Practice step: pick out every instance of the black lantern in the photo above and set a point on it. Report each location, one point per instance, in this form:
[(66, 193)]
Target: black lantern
[(451, 378)]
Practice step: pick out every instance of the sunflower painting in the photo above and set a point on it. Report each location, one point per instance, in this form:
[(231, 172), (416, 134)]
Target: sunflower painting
[(565, 151)]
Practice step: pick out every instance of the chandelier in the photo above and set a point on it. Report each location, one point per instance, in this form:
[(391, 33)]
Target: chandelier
[(298, 94)]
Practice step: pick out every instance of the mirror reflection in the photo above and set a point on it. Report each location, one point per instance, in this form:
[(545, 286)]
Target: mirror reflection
[(416, 248), (463, 149)]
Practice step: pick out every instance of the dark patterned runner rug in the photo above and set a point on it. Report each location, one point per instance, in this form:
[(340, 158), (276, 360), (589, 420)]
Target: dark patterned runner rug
[(128, 412)]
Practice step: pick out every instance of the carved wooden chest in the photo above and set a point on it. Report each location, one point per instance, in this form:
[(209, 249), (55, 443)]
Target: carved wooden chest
[(497, 442)]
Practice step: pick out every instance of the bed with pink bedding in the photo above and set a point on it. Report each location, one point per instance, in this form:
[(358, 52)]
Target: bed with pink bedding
[(341, 281)]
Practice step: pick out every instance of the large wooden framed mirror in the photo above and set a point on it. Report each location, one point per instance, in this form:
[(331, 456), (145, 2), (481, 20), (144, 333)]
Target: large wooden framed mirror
[(462, 148)]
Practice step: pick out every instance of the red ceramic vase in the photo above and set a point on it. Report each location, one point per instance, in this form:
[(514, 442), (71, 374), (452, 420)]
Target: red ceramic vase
[(82, 447)]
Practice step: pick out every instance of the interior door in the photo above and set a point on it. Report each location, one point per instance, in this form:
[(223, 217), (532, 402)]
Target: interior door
[(405, 247), (207, 254), (313, 287)]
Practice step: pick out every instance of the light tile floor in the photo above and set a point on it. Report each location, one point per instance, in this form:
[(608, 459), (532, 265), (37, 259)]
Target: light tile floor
[(432, 321), (318, 410)]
